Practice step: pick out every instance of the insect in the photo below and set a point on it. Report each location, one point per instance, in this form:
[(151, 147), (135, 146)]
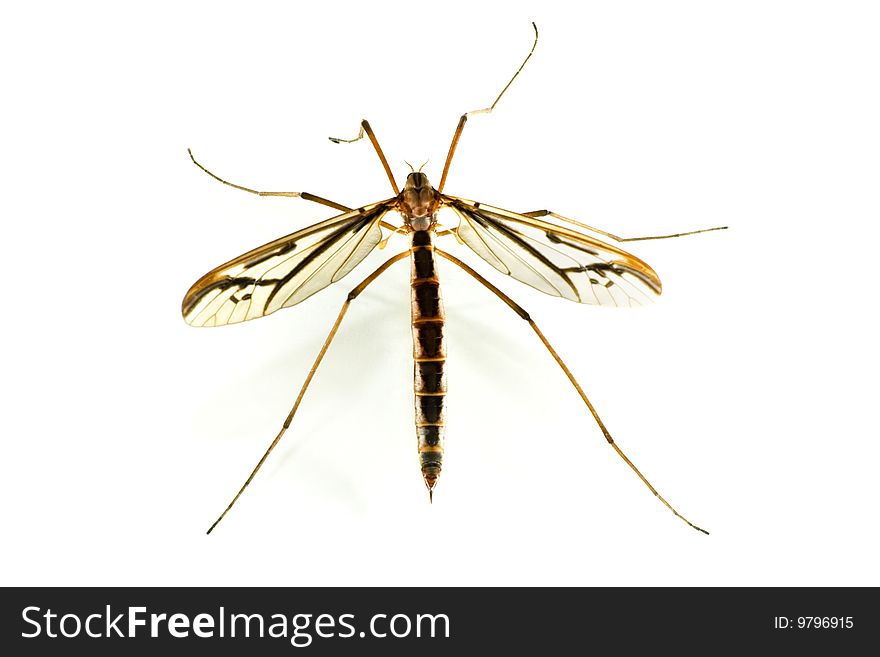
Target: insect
[(545, 250)]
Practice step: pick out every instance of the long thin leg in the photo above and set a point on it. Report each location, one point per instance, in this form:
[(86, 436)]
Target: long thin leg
[(390, 227), (365, 128), (549, 213), (303, 195), (524, 315), (351, 297), (485, 110)]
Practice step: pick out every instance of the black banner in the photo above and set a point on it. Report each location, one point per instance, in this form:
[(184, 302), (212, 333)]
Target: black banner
[(433, 621)]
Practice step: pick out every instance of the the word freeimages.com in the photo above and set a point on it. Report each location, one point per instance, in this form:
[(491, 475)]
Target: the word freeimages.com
[(300, 629)]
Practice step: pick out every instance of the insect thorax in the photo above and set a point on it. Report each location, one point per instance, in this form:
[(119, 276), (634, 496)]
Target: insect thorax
[(418, 202)]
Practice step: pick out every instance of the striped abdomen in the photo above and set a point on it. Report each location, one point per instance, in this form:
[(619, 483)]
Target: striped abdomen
[(429, 354)]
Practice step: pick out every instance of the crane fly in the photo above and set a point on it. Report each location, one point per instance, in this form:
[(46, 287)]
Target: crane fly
[(545, 250)]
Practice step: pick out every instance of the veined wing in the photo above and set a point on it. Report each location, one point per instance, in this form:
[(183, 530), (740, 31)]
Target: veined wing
[(554, 259), (284, 272)]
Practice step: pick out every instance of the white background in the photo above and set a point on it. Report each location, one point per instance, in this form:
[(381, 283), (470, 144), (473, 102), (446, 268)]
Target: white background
[(747, 394)]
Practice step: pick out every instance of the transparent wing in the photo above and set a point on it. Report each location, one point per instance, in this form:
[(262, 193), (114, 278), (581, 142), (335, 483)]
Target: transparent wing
[(284, 272), (554, 259)]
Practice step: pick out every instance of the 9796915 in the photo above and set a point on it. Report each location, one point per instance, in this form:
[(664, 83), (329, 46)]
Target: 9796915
[(813, 622)]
